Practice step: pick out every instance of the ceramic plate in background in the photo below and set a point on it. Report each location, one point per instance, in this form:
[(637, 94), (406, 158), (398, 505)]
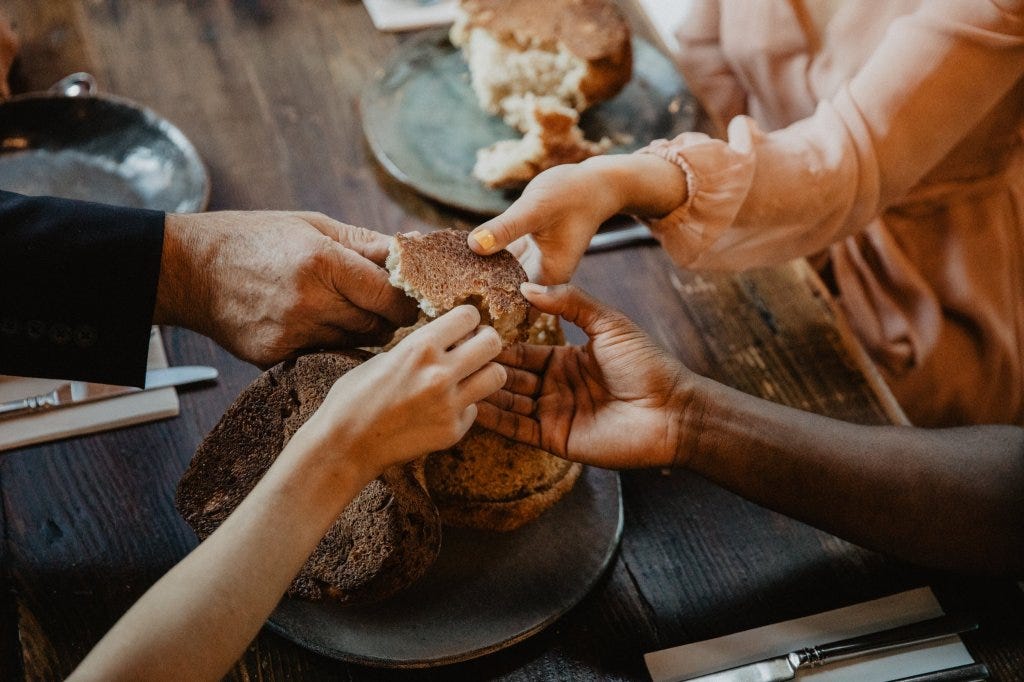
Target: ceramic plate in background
[(424, 125)]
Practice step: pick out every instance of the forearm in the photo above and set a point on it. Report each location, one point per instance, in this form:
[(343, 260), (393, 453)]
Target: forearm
[(947, 498), (197, 619)]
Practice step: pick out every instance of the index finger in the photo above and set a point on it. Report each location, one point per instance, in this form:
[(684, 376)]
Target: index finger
[(446, 330), (367, 243)]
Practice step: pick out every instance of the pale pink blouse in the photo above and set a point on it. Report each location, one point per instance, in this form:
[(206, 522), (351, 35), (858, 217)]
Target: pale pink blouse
[(889, 138)]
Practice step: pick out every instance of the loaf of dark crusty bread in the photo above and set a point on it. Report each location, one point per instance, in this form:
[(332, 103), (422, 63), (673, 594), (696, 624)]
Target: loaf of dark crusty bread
[(489, 482), (441, 272), (382, 542)]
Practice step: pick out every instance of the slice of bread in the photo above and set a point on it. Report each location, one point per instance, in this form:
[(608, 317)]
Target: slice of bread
[(577, 51), (441, 272), (538, 65), (552, 138), (382, 542), (489, 482)]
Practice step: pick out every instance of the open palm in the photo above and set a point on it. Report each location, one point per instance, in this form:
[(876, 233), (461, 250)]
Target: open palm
[(617, 402)]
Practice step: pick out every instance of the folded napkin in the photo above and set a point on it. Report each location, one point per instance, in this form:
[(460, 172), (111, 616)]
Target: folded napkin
[(701, 658), (132, 408), (406, 15)]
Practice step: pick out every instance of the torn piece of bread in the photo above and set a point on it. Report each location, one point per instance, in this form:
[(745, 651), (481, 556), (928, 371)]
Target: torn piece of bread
[(441, 272), (552, 138), (383, 541), (489, 482), (576, 51), (538, 64)]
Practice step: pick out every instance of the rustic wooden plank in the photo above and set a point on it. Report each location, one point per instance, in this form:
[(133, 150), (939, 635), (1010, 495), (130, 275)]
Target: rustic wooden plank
[(54, 42)]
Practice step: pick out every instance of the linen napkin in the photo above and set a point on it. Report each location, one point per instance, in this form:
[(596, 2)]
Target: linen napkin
[(701, 658), (132, 408)]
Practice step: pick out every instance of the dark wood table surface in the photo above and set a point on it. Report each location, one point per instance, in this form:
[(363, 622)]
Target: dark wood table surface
[(267, 91)]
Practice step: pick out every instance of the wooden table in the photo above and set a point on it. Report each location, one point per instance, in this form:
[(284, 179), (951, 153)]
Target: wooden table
[(267, 92)]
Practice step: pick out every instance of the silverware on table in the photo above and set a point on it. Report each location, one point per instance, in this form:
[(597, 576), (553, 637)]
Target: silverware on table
[(972, 672), (619, 238), (785, 667), (78, 392)]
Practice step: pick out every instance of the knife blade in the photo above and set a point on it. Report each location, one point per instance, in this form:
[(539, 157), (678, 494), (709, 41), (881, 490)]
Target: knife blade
[(619, 238), (784, 667), (79, 392)]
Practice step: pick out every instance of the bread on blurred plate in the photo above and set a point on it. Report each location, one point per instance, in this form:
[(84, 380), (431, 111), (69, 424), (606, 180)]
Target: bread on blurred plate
[(536, 63), (441, 272), (383, 541)]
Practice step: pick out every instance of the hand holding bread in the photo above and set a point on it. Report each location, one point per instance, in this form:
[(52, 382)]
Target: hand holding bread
[(417, 398), (550, 225), (269, 285), (618, 402)]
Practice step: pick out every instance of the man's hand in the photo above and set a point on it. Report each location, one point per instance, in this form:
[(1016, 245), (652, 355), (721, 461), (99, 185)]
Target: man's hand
[(8, 51), (268, 285), (618, 402)]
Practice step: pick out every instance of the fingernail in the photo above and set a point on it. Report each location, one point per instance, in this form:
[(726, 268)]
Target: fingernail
[(484, 237), (531, 288)]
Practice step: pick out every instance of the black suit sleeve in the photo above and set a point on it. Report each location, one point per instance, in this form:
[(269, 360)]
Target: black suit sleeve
[(77, 288)]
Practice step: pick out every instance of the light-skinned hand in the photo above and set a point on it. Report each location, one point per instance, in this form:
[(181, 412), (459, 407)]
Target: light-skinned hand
[(550, 225), (618, 402), (414, 399), (269, 285)]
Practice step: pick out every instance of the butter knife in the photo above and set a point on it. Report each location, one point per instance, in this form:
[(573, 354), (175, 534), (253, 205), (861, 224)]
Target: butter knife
[(785, 667), (79, 392)]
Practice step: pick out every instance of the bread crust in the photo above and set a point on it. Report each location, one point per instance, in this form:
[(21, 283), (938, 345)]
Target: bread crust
[(383, 541), (441, 272)]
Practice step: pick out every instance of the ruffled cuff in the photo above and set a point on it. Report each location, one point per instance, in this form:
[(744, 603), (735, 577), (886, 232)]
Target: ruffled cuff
[(718, 178)]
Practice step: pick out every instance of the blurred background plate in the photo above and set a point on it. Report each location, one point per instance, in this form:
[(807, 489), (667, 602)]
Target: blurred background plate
[(486, 591), (423, 123), (73, 143)]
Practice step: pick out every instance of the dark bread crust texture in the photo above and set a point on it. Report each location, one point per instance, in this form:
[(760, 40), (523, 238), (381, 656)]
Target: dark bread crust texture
[(383, 541), (489, 482), (594, 30), (441, 269)]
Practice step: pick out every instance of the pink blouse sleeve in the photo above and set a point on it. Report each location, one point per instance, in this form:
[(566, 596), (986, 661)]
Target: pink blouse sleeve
[(704, 66), (763, 198)]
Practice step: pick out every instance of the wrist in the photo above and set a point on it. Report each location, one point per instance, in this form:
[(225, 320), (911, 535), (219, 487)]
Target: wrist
[(644, 185), (181, 289), (323, 469), (690, 408)]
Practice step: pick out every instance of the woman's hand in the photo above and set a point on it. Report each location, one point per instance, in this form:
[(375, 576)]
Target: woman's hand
[(618, 402), (549, 227), (414, 399)]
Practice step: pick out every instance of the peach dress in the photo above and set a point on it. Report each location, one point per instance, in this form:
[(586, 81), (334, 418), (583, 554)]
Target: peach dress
[(887, 136)]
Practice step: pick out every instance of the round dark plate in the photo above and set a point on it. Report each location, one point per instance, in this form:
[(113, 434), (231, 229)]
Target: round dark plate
[(98, 148), (424, 125), (486, 591)]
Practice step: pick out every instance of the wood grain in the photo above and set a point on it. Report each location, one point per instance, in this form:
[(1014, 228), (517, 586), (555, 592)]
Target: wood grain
[(267, 91)]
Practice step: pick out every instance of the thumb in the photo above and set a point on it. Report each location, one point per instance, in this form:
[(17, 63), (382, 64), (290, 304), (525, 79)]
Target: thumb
[(571, 304), (497, 233)]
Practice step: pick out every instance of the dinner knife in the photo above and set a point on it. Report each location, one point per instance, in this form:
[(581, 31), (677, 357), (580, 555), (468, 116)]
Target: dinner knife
[(785, 667), (79, 392), (619, 238)]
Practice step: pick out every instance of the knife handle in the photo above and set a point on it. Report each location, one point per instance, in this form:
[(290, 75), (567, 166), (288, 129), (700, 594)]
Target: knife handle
[(13, 408), (926, 630)]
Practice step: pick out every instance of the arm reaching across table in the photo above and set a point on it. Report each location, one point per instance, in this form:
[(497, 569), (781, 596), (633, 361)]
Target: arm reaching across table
[(84, 282), (417, 398), (951, 498)]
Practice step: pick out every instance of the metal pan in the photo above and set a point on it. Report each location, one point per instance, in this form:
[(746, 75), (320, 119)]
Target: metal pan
[(73, 142)]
